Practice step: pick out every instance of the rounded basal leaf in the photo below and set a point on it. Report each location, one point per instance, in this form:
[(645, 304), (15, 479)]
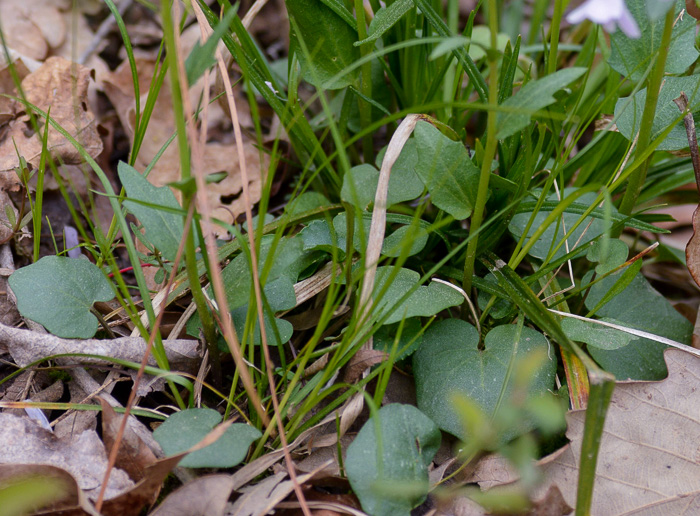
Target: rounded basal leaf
[(388, 471), (447, 171), (632, 56), (424, 301), (588, 230), (595, 335), (449, 362), (409, 338), (641, 307), (58, 293), (628, 112), (186, 428)]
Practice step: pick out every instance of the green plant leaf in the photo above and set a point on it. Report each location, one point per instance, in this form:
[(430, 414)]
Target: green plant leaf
[(329, 40), (394, 242), (595, 335), (532, 97), (163, 228), (449, 362), (202, 56), (425, 301), (583, 234), (641, 307), (447, 171), (409, 340), (360, 182), (186, 428), (388, 469), (58, 293), (667, 113), (631, 57), (384, 19)]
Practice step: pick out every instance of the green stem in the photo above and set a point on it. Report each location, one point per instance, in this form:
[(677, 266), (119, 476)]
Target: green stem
[(489, 153), (554, 36), (365, 86), (198, 296), (636, 180)]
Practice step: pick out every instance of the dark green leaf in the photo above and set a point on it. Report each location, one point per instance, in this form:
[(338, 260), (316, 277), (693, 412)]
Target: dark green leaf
[(328, 38), (629, 113), (388, 471), (447, 171), (631, 57), (449, 361), (163, 228), (58, 293), (385, 18), (186, 428), (532, 97)]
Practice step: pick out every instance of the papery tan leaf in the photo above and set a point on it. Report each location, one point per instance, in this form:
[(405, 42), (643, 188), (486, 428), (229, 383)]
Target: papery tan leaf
[(133, 456), (362, 360), (649, 459), (83, 455), (32, 27), (61, 86), (204, 496)]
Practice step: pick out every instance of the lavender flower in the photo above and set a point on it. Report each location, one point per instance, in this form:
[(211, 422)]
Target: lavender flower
[(608, 13)]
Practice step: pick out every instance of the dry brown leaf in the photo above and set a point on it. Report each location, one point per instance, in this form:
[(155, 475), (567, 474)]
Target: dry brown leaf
[(26, 347), (362, 360), (83, 455), (204, 496), (32, 27), (8, 107), (649, 459), (60, 86), (68, 494), (223, 197), (263, 497), (133, 455)]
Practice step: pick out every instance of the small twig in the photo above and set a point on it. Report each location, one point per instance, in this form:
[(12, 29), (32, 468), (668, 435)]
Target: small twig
[(682, 103)]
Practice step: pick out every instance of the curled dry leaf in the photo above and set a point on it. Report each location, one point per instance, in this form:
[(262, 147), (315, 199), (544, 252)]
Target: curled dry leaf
[(60, 86), (223, 196), (649, 461), (26, 347), (82, 455), (205, 496), (35, 28), (133, 455)]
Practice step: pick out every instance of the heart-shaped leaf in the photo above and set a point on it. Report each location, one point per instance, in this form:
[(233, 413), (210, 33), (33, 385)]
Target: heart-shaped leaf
[(449, 361), (186, 428), (58, 293), (641, 307), (328, 35), (388, 470), (360, 184)]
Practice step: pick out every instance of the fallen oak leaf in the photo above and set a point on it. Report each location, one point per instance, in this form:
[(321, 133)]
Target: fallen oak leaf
[(649, 461), (61, 87)]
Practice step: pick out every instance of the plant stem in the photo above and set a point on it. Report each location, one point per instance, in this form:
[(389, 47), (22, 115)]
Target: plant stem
[(190, 254), (636, 180), (365, 86), (489, 153), (554, 36)]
